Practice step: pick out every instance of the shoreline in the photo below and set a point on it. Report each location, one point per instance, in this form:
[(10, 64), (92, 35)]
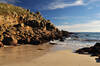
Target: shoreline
[(44, 55)]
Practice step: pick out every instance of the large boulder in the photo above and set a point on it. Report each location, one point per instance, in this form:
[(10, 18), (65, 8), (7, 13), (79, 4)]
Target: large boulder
[(9, 41), (93, 51)]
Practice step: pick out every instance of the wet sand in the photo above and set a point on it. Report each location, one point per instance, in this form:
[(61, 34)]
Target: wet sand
[(23, 53)]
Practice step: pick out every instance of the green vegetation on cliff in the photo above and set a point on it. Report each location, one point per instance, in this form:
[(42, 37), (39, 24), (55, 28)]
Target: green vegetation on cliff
[(10, 9)]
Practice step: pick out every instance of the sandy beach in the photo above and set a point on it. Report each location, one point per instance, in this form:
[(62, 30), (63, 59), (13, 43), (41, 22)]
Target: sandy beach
[(48, 32), (60, 58), (23, 53)]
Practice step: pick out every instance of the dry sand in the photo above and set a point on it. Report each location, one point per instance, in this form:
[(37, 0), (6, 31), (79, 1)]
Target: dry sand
[(60, 58)]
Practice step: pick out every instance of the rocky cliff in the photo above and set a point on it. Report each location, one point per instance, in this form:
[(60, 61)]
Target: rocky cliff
[(19, 25)]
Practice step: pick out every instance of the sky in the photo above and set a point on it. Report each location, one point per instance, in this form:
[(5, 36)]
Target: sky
[(70, 15)]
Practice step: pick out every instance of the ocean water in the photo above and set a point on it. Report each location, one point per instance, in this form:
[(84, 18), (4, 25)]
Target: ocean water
[(87, 36), (78, 40)]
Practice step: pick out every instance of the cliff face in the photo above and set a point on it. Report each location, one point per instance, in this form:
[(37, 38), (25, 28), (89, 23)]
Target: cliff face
[(19, 25)]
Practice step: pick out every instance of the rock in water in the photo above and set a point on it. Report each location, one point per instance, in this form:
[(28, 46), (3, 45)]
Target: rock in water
[(97, 44), (93, 51)]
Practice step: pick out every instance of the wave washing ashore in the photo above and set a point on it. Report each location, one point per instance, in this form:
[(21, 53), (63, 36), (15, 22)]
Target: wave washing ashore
[(79, 40)]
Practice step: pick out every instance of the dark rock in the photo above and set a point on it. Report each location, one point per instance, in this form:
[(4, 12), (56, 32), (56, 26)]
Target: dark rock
[(53, 43), (97, 44), (9, 41), (36, 42), (62, 39), (93, 51), (38, 13), (83, 50)]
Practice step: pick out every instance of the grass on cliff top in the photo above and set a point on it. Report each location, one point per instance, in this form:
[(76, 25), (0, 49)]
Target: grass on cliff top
[(6, 9)]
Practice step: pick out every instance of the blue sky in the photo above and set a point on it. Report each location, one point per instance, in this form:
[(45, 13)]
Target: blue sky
[(70, 15)]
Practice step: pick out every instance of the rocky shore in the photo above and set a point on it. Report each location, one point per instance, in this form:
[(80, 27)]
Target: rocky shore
[(93, 50), (21, 26)]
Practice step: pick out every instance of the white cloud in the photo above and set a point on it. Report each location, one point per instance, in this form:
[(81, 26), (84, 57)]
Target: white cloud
[(92, 26), (62, 4), (56, 4)]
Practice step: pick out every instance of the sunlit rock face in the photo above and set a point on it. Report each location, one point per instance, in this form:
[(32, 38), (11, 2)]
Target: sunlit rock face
[(19, 25)]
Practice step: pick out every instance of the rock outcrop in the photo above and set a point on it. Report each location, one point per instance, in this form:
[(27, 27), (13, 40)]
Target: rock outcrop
[(20, 26), (93, 50)]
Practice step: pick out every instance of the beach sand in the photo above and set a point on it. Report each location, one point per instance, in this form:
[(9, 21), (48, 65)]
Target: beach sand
[(60, 58), (24, 53)]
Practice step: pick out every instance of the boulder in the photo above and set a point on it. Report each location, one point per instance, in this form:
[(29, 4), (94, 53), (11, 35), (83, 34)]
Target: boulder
[(83, 50), (97, 44), (36, 42), (93, 51), (1, 44), (14, 42), (9, 41)]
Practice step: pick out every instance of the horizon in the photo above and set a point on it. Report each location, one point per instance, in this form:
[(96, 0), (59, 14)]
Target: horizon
[(84, 32), (69, 15)]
